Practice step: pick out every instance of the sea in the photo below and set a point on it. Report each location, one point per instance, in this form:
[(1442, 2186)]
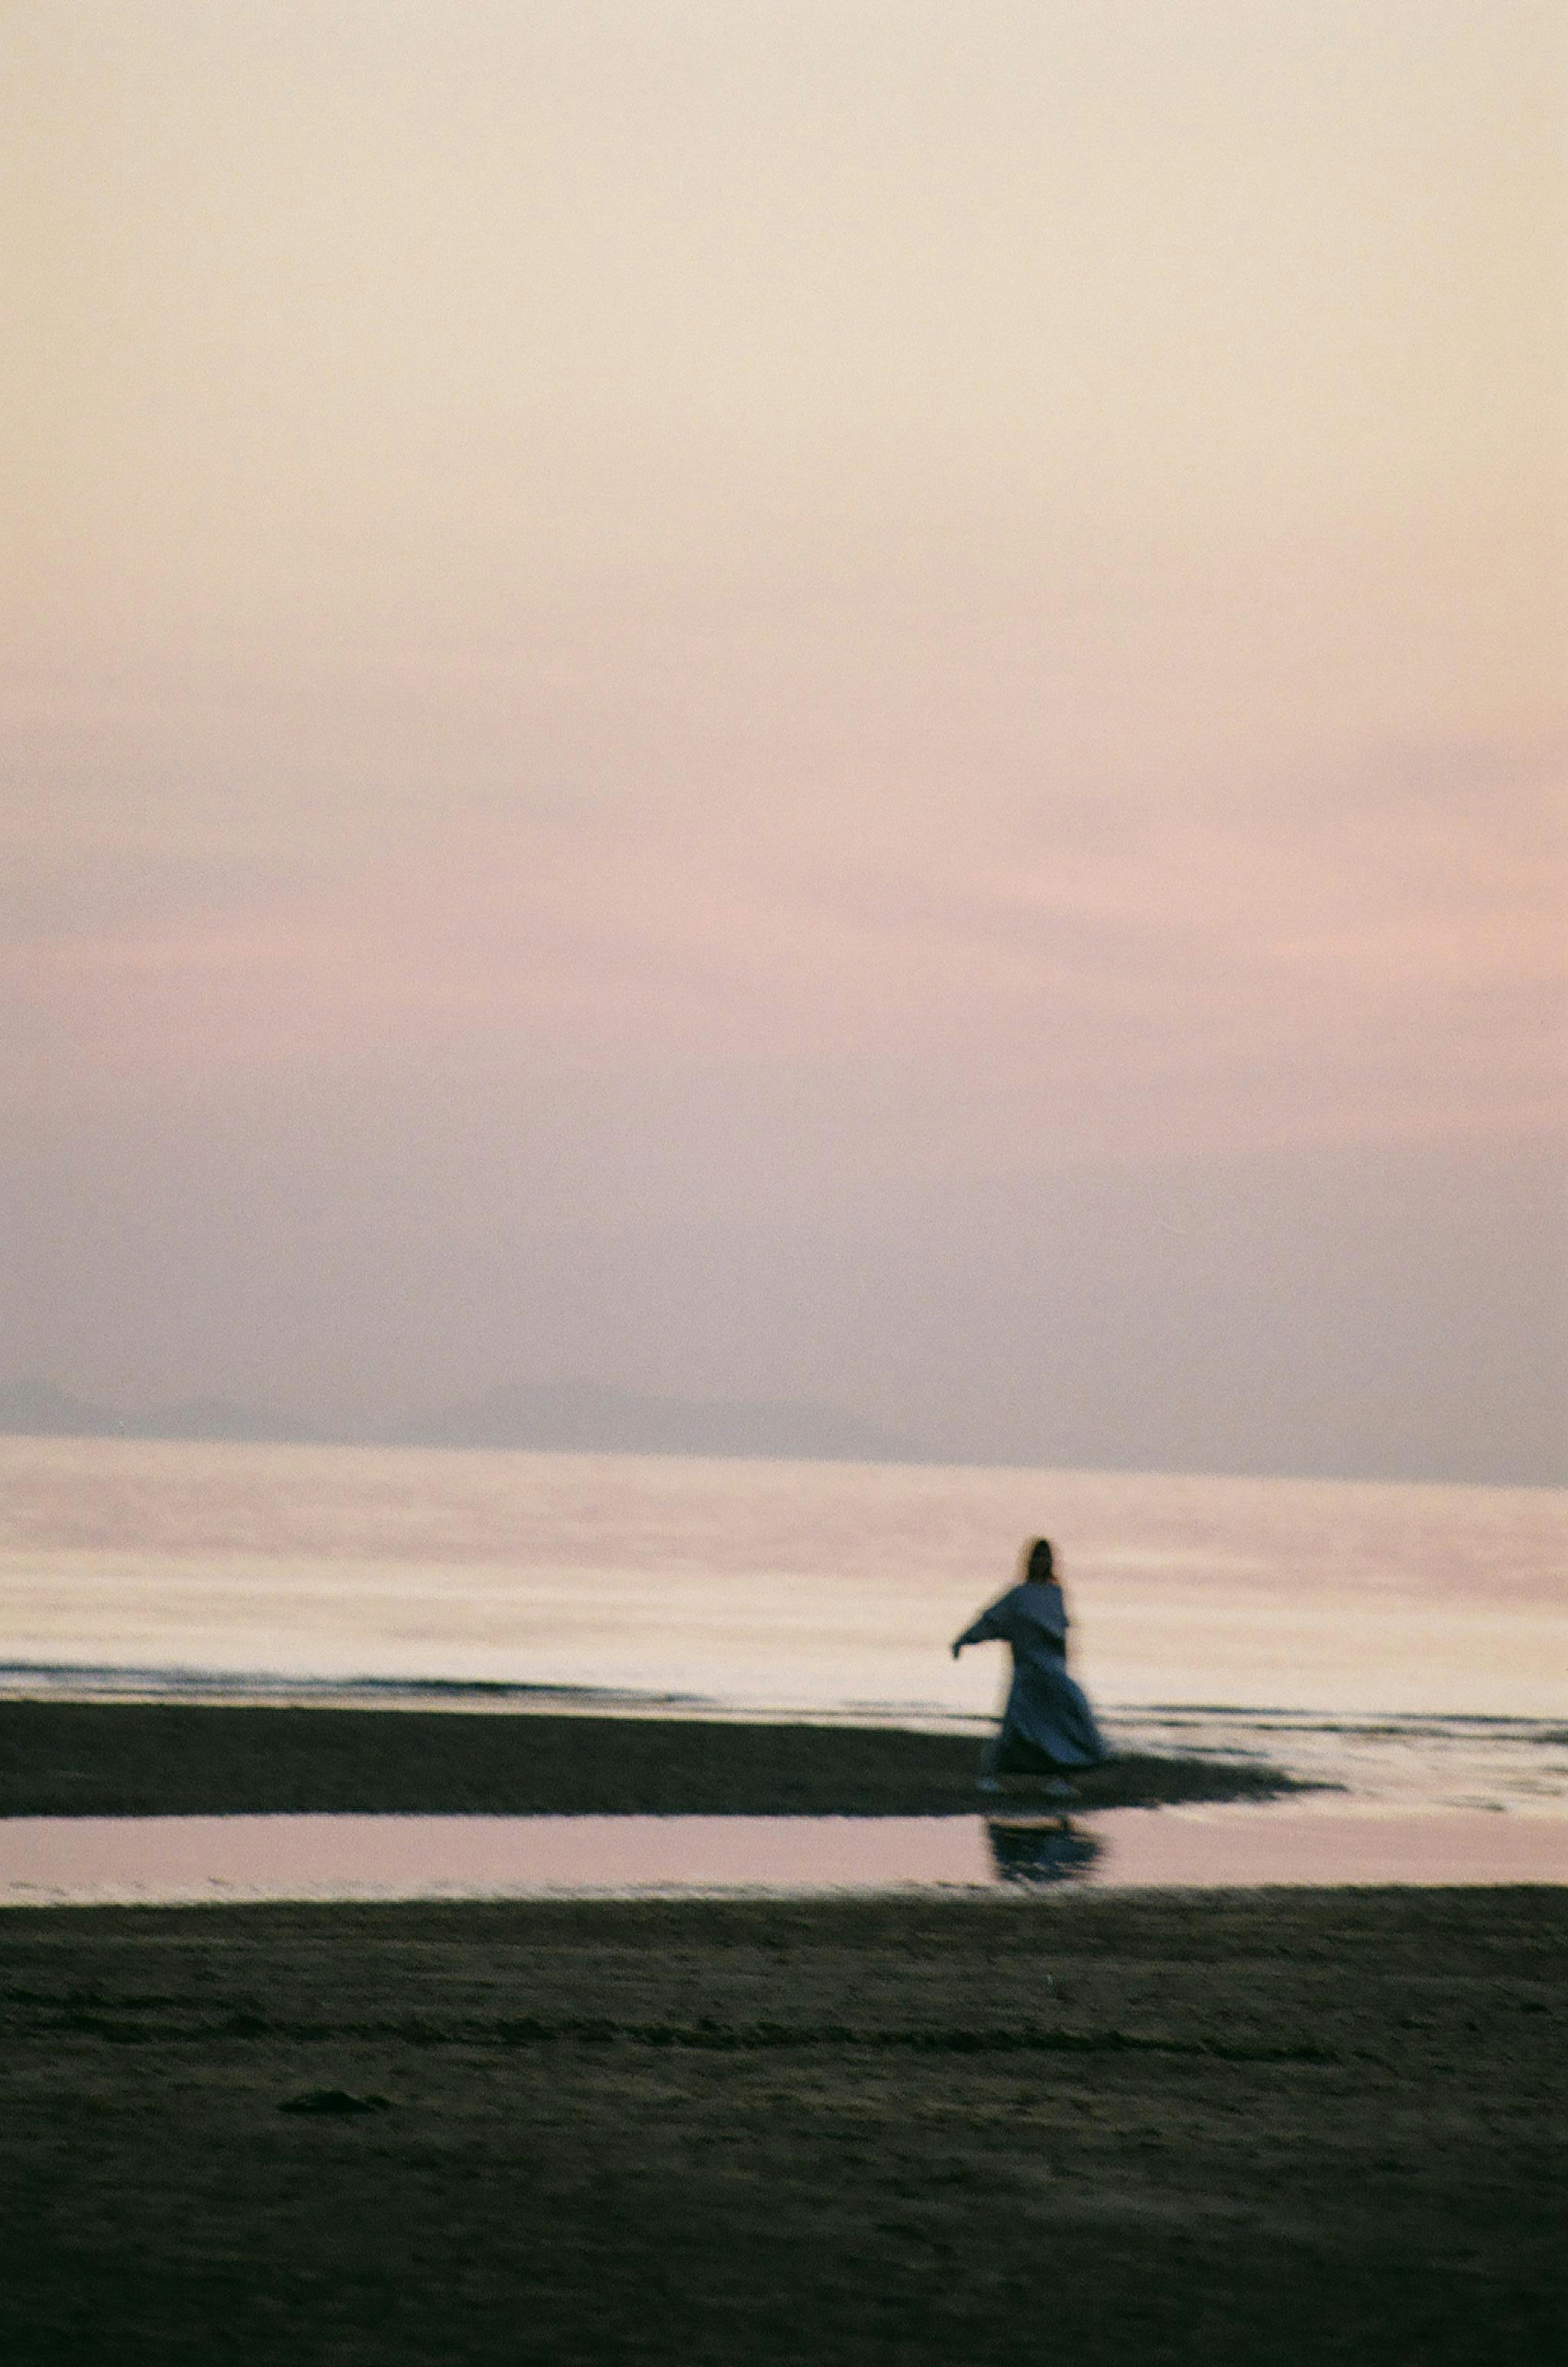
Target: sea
[(1408, 1644)]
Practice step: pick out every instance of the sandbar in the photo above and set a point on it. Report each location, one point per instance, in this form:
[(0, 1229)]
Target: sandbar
[(180, 1759)]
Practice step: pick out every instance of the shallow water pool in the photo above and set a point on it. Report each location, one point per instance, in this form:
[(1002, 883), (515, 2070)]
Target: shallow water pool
[(170, 1860)]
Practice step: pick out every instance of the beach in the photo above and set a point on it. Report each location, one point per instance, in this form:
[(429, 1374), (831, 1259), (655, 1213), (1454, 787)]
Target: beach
[(1264, 2125), (1253, 2126), (789, 850), (976, 2125)]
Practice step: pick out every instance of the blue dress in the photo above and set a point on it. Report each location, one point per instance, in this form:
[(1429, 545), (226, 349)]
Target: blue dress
[(1047, 1716)]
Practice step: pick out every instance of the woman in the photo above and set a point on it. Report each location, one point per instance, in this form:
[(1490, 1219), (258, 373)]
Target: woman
[(1047, 1725)]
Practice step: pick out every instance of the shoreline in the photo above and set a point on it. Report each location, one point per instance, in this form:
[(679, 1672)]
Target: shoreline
[(136, 1758)]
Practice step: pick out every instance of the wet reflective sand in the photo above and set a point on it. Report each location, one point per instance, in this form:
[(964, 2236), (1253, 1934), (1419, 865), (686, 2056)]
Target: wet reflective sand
[(177, 1859)]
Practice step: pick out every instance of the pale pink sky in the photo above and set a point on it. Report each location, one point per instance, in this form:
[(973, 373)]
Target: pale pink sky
[(645, 627)]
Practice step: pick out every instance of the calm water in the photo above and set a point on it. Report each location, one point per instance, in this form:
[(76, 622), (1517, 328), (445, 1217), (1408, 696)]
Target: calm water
[(206, 1860), (1412, 1642)]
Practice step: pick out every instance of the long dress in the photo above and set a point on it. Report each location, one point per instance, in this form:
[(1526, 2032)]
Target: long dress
[(1047, 1722)]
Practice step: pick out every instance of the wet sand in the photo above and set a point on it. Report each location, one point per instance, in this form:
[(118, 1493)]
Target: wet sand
[(134, 1759), (1251, 2127)]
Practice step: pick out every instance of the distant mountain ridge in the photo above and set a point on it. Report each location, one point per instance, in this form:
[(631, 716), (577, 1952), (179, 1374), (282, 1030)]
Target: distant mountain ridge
[(39, 1409), (561, 1418), (564, 1418)]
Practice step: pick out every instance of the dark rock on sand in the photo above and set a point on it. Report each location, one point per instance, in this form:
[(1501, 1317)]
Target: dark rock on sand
[(333, 2100)]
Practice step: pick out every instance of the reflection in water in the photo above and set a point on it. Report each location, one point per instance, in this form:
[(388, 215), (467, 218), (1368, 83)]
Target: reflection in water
[(173, 1860), (1041, 1853)]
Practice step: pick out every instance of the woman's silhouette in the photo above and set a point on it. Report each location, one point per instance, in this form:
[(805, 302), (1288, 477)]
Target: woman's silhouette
[(1047, 1726)]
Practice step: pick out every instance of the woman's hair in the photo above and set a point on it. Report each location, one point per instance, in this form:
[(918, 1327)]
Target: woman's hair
[(1039, 1565)]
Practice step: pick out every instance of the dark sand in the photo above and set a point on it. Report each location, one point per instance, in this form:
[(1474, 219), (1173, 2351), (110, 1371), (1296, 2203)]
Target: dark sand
[(102, 1759), (1221, 2128)]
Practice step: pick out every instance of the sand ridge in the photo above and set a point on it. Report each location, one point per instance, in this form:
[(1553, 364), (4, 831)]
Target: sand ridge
[(151, 1759)]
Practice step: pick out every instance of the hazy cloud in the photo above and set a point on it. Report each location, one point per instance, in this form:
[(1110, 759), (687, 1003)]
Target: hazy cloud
[(654, 647)]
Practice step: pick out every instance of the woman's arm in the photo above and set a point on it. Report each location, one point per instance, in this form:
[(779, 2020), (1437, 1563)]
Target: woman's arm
[(986, 1630)]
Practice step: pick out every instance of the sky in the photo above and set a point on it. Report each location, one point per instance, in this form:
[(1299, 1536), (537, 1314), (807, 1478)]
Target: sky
[(848, 698)]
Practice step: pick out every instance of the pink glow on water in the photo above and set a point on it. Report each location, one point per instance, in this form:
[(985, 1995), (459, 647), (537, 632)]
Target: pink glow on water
[(794, 1586), (223, 1860)]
